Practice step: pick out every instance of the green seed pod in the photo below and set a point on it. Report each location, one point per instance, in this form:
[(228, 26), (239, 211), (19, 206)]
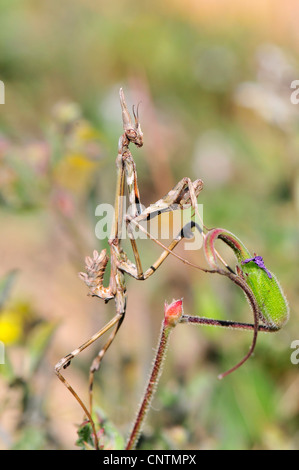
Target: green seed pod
[(268, 293), (273, 306)]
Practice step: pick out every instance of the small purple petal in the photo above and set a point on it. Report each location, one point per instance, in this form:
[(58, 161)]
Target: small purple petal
[(247, 260), (258, 260)]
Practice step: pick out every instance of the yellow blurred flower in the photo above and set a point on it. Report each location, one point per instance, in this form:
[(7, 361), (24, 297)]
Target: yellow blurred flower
[(10, 327), (74, 171)]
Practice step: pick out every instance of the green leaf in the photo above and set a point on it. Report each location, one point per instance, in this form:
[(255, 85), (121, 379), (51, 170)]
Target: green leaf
[(85, 440), (108, 435), (114, 440)]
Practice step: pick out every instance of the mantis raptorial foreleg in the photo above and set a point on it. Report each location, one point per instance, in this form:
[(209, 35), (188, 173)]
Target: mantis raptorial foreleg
[(176, 199)]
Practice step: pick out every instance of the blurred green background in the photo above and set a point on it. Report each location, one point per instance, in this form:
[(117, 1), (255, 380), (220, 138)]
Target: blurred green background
[(213, 79)]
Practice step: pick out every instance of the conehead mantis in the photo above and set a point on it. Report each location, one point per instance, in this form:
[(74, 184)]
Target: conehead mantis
[(265, 296)]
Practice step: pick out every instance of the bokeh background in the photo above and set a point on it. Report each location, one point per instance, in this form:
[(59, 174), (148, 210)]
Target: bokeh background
[(213, 79)]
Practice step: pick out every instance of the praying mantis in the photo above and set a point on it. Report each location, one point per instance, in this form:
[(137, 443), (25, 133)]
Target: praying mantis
[(251, 274)]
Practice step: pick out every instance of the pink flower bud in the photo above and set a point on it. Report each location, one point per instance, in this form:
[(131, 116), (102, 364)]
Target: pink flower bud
[(173, 312)]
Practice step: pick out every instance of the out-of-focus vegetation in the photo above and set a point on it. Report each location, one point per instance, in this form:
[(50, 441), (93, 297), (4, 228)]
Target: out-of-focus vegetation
[(213, 79)]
